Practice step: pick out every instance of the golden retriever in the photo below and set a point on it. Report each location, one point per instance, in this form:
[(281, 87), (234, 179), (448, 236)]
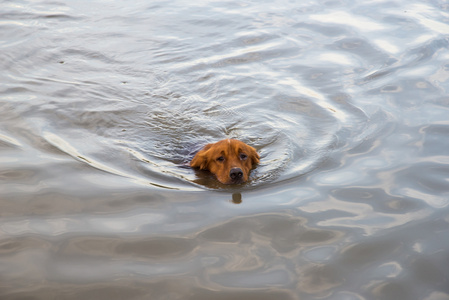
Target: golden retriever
[(230, 160)]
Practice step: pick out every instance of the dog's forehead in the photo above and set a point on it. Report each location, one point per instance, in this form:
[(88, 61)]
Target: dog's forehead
[(235, 146), (228, 147), (231, 146)]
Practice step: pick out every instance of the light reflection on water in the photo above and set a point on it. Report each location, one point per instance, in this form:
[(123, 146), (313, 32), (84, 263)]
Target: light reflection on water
[(103, 105)]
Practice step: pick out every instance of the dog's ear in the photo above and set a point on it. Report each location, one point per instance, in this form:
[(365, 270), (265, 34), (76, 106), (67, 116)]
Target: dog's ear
[(255, 158), (200, 159)]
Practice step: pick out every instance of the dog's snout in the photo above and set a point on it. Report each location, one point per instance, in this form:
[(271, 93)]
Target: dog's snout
[(236, 174)]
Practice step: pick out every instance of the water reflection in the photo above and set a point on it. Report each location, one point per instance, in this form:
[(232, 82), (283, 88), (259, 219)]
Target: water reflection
[(236, 198)]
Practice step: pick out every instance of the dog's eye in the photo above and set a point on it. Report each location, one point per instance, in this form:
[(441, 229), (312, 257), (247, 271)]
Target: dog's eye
[(221, 158), (243, 156)]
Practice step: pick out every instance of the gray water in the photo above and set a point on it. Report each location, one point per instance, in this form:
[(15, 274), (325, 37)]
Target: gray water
[(103, 103)]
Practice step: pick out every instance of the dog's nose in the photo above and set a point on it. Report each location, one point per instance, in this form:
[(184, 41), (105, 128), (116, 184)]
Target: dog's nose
[(236, 174)]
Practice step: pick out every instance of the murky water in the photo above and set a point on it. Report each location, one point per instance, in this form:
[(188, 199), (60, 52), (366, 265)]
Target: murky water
[(103, 103)]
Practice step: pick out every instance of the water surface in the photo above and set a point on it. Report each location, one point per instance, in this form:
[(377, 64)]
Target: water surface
[(103, 104)]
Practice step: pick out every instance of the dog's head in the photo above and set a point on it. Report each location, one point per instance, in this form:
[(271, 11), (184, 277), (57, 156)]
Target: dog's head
[(230, 160)]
